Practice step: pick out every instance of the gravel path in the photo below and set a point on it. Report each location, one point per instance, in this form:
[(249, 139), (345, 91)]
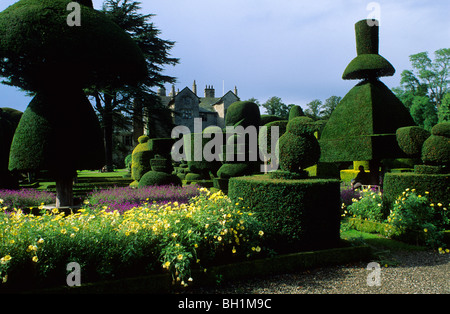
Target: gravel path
[(422, 272)]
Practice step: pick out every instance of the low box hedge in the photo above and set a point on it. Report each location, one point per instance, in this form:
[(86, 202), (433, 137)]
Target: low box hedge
[(297, 214), (438, 186)]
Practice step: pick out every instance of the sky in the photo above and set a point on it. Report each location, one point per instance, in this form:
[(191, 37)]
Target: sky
[(293, 49)]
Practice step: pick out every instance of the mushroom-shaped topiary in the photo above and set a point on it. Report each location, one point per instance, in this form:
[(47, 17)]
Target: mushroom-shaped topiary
[(41, 53), (298, 147)]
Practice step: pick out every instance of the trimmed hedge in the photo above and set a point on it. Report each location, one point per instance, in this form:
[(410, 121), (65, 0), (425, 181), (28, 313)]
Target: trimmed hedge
[(244, 113), (436, 150), (438, 186), (411, 138), (295, 111), (140, 158), (363, 126), (59, 132), (159, 178), (296, 214)]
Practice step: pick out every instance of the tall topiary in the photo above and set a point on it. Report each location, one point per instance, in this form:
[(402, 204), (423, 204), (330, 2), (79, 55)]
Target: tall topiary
[(40, 52), (295, 111), (238, 149), (9, 118), (363, 125)]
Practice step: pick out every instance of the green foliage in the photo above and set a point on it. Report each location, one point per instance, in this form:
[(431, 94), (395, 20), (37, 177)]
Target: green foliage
[(368, 206), (367, 66), (444, 109), (295, 111), (158, 178), (411, 138), (35, 30), (418, 219), (423, 112), (244, 113), (174, 238), (441, 129), (267, 118), (295, 213), (50, 137), (436, 151), (436, 186), (362, 125), (230, 170), (275, 106), (298, 148), (140, 160), (194, 144)]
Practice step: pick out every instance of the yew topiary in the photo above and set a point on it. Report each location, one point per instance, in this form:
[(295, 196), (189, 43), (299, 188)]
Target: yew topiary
[(436, 149), (40, 52), (244, 113), (298, 147), (411, 138)]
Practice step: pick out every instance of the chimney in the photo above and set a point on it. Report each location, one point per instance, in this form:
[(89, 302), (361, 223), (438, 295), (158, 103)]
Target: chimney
[(194, 88), (162, 91), (235, 91), (209, 92)]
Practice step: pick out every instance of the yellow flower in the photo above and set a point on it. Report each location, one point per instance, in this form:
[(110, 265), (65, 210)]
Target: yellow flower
[(35, 259), (180, 256), (258, 249), (5, 259), (166, 264), (55, 210), (63, 231), (86, 202), (261, 233), (425, 230), (219, 238), (233, 250), (32, 248), (40, 241)]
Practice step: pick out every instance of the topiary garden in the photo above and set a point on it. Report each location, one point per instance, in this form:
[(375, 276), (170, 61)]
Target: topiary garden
[(251, 198)]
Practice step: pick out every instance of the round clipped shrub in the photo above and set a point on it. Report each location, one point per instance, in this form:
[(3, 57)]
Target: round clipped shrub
[(267, 118), (297, 153), (296, 111), (227, 171), (436, 151), (159, 178), (441, 129), (411, 138), (266, 137), (244, 113), (301, 125)]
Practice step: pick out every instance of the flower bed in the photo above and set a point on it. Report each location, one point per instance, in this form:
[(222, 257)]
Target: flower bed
[(174, 238), (24, 198), (125, 198)]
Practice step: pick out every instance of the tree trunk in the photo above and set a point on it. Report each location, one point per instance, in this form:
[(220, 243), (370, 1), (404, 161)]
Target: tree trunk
[(108, 132), (64, 192)]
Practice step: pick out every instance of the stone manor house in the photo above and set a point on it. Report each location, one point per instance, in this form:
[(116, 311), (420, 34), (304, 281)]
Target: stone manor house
[(187, 105)]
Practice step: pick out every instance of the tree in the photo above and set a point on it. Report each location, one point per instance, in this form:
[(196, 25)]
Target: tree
[(314, 109), (444, 109), (274, 106), (429, 79), (140, 100), (39, 52), (329, 106)]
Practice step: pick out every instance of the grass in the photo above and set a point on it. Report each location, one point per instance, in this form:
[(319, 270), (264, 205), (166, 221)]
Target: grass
[(382, 247)]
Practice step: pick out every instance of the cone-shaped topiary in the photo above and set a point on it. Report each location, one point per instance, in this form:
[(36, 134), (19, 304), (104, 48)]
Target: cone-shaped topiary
[(41, 52)]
